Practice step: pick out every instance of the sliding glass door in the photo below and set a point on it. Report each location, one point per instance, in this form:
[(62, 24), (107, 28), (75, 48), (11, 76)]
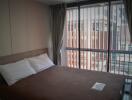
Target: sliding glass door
[(86, 39), (70, 55), (120, 47), (94, 37)]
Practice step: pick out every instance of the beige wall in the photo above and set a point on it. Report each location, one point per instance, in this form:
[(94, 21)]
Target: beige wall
[(23, 27)]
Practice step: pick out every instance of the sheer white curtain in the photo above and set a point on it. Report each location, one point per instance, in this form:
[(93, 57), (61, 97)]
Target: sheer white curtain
[(128, 7)]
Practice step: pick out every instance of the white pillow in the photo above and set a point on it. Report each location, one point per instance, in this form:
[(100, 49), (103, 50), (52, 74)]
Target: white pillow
[(41, 62), (16, 71)]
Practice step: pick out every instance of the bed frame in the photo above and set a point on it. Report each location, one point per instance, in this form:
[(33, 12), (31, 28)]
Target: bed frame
[(19, 56)]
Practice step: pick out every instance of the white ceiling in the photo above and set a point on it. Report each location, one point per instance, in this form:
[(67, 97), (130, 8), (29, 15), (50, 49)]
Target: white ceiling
[(52, 2)]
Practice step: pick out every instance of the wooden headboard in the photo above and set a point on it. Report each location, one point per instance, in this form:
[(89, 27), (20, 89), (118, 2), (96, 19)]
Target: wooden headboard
[(20, 56)]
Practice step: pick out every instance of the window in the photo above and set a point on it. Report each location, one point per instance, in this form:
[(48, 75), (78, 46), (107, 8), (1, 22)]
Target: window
[(90, 47)]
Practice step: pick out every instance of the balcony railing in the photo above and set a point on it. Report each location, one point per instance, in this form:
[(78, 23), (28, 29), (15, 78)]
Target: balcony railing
[(120, 61)]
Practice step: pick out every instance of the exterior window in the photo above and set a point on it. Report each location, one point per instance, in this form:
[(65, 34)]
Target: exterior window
[(94, 38)]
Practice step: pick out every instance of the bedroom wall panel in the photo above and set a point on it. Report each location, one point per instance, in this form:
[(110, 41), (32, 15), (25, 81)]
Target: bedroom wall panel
[(38, 25), (19, 26), (30, 26), (5, 41), (27, 29)]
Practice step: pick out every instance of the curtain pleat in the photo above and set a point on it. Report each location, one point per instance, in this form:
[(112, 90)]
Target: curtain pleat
[(128, 8), (58, 20)]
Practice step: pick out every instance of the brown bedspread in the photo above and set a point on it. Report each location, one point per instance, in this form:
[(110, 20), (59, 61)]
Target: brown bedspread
[(62, 83)]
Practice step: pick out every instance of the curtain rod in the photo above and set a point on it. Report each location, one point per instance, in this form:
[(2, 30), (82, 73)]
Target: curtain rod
[(81, 3)]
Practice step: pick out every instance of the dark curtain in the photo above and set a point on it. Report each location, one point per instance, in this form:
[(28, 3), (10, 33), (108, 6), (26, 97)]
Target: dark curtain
[(58, 20), (128, 9)]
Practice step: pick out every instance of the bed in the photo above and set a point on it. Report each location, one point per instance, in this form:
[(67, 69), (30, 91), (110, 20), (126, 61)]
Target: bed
[(63, 83)]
